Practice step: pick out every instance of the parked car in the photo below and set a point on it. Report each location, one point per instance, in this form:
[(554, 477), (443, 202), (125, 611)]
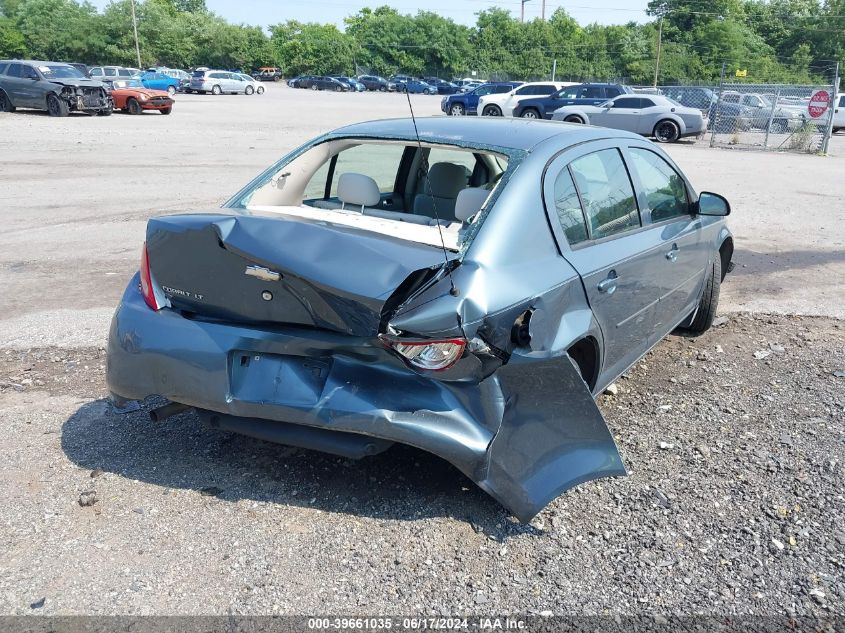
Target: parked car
[(155, 80), (651, 115), (353, 83), (374, 82), (398, 81), (839, 113), (503, 104), (267, 73), (330, 83), (112, 72), (729, 118), (470, 86), (475, 313), (251, 84), (763, 110), (130, 95), (217, 82), (57, 88), (82, 68), (443, 87), (417, 86), (467, 103), (303, 81), (699, 97), (579, 94)]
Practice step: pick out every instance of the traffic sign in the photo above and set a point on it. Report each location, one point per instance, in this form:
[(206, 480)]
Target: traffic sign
[(819, 103)]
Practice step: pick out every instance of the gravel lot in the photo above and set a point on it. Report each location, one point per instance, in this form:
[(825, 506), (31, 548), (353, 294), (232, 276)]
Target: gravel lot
[(734, 441)]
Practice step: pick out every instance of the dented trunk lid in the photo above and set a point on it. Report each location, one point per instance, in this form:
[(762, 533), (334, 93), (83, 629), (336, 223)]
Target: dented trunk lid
[(281, 270)]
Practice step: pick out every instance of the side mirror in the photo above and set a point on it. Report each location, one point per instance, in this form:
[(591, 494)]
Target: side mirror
[(712, 204)]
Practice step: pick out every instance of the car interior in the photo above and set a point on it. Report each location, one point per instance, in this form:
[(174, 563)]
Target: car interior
[(415, 192)]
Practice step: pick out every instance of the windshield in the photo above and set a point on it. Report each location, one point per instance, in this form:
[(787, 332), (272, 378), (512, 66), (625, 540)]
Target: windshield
[(60, 72)]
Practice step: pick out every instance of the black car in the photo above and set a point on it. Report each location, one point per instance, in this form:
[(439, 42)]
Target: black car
[(374, 82), (579, 94), (329, 83), (305, 81), (443, 87)]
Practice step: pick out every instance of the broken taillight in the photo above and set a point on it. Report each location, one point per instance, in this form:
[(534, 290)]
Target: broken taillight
[(147, 289), (431, 355)]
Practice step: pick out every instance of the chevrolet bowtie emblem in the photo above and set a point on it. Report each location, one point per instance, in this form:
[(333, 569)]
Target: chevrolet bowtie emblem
[(265, 274)]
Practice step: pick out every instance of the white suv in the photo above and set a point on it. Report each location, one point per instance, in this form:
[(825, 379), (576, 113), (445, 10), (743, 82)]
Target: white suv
[(839, 113), (504, 104)]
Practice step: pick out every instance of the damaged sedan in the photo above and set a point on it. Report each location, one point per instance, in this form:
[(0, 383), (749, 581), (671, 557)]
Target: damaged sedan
[(57, 88), (464, 286)]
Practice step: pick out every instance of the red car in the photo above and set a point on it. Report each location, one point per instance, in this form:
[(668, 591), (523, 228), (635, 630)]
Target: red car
[(130, 96)]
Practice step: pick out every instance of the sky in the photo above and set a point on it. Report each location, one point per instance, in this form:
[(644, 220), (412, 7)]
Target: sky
[(264, 12)]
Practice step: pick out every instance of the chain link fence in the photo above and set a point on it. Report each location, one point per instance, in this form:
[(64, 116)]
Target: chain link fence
[(778, 117)]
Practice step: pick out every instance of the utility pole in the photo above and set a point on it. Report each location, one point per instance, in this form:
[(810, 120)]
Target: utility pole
[(543, 11), (554, 69), (522, 15), (659, 44), (135, 30)]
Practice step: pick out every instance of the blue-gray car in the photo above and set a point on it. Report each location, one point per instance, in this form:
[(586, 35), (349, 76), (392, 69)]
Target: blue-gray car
[(464, 286)]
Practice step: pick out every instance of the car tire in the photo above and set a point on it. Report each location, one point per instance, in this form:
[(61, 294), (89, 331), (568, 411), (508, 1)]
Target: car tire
[(171, 90), (338, 89), (260, 90), (491, 110), (313, 86), (276, 78), (666, 131), (456, 109), (216, 90), (574, 118), (530, 113), (56, 106), (382, 88), (779, 126), (166, 110), (133, 107), (709, 301), (249, 90), (106, 112), (6, 103)]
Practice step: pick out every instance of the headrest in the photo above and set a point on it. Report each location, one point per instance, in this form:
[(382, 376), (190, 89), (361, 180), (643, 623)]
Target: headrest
[(469, 202), (445, 180), (358, 189)]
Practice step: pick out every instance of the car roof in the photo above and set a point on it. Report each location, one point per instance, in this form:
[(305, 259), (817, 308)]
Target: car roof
[(34, 62), (507, 133)]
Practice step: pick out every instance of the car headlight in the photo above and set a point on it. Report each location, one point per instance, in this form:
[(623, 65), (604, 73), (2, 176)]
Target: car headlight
[(143, 97)]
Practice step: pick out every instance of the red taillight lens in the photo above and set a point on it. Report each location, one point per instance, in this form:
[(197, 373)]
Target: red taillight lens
[(147, 281), (431, 355)]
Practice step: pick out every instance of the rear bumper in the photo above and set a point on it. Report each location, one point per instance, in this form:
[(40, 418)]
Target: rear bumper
[(524, 434)]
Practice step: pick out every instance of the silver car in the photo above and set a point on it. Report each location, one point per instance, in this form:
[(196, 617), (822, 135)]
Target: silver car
[(57, 88), (649, 115), (252, 85), (217, 82), (465, 286)]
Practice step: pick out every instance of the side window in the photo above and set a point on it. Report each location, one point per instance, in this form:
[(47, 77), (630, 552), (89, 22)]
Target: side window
[(28, 72), (663, 186), (438, 155), (646, 103), (525, 90), (14, 70), (568, 208), (570, 93), (503, 89), (612, 91), (607, 193), (96, 72), (110, 72), (595, 92), (545, 89), (484, 91), (3, 68), (379, 162), (629, 103), (730, 98), (842, 101), (124, 72)]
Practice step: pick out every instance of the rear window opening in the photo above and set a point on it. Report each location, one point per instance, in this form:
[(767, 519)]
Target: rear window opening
[(395, 188)]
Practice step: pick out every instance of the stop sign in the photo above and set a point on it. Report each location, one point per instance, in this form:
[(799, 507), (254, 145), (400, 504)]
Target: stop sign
[(819, 103)]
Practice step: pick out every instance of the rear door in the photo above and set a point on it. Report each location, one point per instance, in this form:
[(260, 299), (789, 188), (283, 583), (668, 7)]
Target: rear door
[(595, 215)]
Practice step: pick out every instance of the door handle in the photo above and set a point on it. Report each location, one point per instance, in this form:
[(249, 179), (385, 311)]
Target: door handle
[(608, 286), (672, 255)]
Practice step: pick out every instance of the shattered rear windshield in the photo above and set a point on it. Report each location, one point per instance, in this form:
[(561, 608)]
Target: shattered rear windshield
[(60, 72), (431, 194)]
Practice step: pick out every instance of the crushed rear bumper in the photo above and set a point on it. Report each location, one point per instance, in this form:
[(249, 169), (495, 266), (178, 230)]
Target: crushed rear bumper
[(524, 434)]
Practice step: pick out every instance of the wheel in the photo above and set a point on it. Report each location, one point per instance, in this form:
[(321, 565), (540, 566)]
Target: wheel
[(171, 90), (249, 90), (574, 118), (431, 92), (491, 110), (778, 126), (338, 89), (709, 299), (133, 107), (188, 91), (216, 90), (56, 106), (260, 90), (106, 112), (382, 88), (456, 109), (276, 78), (666, 131), (313, 86), (166, 110), (531, 113), (5, 103)]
